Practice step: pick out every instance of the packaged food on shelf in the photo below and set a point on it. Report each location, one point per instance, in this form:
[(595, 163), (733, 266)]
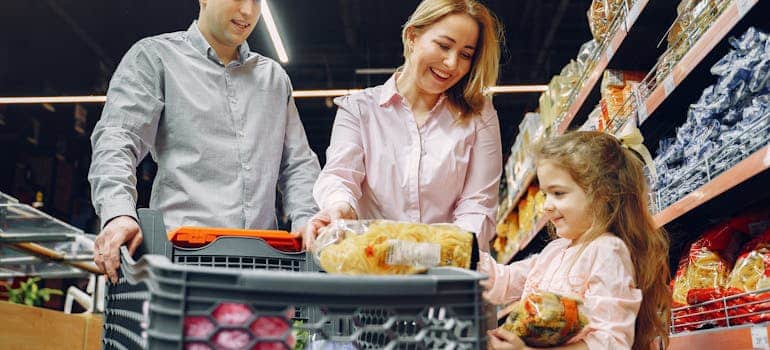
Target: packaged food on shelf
[(602, 14), (520, 223), (617, 87), (694, 17), (705, 284), (729, 121), (519, 164), (751, 274), (682, 320), (389, 248), (546, 319), (586, 57)]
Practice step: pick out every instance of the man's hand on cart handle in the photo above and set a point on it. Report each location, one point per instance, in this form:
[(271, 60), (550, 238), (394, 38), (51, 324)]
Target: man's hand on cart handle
[(118, 231)]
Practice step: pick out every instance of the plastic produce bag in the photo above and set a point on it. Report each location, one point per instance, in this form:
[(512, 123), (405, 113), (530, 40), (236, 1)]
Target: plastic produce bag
[(546, 319), (393, 248)]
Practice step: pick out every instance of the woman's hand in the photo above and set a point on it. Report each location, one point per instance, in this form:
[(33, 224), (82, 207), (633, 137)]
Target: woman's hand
[(337, 211), (500, 339)]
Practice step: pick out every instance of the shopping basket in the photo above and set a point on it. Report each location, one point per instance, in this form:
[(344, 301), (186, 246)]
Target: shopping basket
[(162, 305)]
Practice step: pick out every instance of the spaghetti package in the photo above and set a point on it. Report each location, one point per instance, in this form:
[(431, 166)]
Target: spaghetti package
[(546, 319), (383, 247), (682, 320), (706, 275), (710, 261), (750, 274)]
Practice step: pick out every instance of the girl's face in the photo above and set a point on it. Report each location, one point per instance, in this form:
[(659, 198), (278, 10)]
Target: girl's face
[(442, 53), (566, 204)]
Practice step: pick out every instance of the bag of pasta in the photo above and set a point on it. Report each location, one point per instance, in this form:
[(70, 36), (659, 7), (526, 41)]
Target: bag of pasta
[(751, 274), (383, 247), (680, 319), (546, 319)]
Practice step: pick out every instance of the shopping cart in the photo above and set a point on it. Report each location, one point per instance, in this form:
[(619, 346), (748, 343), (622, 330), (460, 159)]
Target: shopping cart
[(225, 296)]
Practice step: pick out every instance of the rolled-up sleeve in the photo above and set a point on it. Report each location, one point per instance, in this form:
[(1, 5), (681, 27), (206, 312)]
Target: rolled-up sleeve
[(611, 299), (341, 177), (126, 131), (506, 282), (477, 206), (299, 171)]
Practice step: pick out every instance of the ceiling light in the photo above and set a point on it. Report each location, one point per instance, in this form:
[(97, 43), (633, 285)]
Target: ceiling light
[(323, 93), (374, 71), (503, 89), (53, 99), (273, 30)]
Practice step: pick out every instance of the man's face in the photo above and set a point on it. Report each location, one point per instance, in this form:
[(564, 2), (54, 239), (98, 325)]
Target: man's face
[(229, 22)]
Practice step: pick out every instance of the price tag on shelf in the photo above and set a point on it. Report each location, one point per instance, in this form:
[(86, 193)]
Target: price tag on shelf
[(668, 85), (759, 338), (744, 6)]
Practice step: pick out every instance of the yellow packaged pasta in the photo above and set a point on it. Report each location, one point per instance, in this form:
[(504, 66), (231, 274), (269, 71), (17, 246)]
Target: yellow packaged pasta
[(393, 248), (546, 319)]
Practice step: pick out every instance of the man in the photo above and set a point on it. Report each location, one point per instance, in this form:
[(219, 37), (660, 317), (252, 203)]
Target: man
[(221, 124)]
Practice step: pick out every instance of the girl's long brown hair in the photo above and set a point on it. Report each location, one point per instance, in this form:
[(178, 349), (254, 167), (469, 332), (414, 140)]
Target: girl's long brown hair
[(612, 176)]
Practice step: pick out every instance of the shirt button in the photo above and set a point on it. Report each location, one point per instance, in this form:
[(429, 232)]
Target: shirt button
[(246, 167)]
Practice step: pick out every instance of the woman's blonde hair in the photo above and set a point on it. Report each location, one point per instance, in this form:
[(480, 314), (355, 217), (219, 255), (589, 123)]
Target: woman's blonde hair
[(612, 176), (468, 95)]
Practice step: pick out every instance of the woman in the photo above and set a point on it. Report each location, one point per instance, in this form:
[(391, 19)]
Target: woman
[(425, 146)]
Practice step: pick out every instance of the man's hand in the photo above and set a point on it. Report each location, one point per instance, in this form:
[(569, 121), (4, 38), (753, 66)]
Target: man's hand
[(500, 339), (120, 230), (337, 211)]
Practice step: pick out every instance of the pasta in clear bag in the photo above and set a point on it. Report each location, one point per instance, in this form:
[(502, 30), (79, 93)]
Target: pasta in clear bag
[(384, 247), (546, 319), (751, 274)]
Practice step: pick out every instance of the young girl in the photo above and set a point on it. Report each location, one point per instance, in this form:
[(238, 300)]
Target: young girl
[(425, 146), (609, 253)]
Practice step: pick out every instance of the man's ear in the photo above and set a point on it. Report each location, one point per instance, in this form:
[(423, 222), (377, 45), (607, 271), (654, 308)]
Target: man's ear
[(202, 3)]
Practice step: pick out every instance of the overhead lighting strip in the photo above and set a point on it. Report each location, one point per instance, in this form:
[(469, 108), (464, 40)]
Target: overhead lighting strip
[(273, 31), (505, 89)]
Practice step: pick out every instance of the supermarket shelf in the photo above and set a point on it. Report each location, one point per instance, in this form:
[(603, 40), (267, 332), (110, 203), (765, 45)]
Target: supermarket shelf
[(528, 178), (734, 12), (756, 163), (589, 82), (735, 338), (612, 47), (539, 225)]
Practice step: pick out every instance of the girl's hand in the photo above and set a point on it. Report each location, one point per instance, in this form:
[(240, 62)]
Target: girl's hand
[(500, 339)]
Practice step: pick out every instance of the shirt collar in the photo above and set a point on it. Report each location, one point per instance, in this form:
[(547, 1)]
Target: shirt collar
[(390, 93), (199, 42)]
